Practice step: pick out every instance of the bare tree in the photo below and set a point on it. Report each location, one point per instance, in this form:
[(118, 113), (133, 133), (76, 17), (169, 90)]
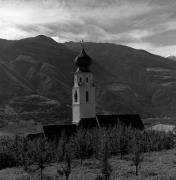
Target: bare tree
[(60, 148), (106, 169), (65, 168), (136, 151), (105, 155), (41, 153), (80, 144), (22, 148)]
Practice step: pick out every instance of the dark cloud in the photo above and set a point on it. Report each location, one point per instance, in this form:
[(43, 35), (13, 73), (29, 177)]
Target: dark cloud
[(162, 39)]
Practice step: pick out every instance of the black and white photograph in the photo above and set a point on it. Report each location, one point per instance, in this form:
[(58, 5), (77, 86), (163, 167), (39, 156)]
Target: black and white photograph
[(87, 89)]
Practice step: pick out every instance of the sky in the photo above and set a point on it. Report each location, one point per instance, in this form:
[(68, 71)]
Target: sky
[(141, 24)]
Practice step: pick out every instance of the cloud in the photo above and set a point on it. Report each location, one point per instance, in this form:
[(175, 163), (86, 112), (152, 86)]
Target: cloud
[(143, 24), (165, 50), (162, 50), (112, 13)]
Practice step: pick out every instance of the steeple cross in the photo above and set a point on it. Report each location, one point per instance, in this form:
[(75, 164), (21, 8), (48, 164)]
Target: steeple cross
[(82, 44)]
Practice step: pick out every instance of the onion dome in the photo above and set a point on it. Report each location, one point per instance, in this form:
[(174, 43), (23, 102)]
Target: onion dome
[(83, 61)]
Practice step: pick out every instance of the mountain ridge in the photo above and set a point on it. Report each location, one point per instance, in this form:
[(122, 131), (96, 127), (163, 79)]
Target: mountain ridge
[(127, 80)]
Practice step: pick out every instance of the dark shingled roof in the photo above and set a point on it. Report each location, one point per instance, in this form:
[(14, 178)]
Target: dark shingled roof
[(34, 136), (54, 132), (132, 120), (88, 123)]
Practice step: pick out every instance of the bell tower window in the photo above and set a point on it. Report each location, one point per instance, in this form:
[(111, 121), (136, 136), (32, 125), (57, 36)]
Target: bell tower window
[(87, 96), (80, 80), (76, 96), (87, 79)]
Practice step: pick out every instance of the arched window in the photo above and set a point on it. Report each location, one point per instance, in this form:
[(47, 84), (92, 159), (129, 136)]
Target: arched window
[(87, 96), (76, 96), (87, 79), (80, 79)]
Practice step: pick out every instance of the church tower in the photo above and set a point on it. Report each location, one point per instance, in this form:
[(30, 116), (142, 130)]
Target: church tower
[(83, 91)]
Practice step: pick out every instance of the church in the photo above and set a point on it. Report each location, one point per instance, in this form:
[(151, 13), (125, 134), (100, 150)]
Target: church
[(84, 104)]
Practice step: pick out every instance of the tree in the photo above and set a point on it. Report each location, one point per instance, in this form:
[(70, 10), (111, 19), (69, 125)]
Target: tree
[(80, 144), (60, 148), (7, 158), (22, 152), (106, 169), (114, 139), (123, 141), (66, 163), (41, 153), (136, 151), (105, 155)]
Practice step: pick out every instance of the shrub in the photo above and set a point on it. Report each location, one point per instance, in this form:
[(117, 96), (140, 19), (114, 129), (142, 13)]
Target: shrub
[(7, 155), (22, 152), (157, 141), (7, 160)]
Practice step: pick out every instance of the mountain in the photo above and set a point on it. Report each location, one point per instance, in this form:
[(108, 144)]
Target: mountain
[(36, 76), (38, 67), (172, 58)]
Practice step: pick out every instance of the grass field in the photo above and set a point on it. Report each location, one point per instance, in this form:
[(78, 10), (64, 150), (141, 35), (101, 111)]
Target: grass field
[(156, 166)]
